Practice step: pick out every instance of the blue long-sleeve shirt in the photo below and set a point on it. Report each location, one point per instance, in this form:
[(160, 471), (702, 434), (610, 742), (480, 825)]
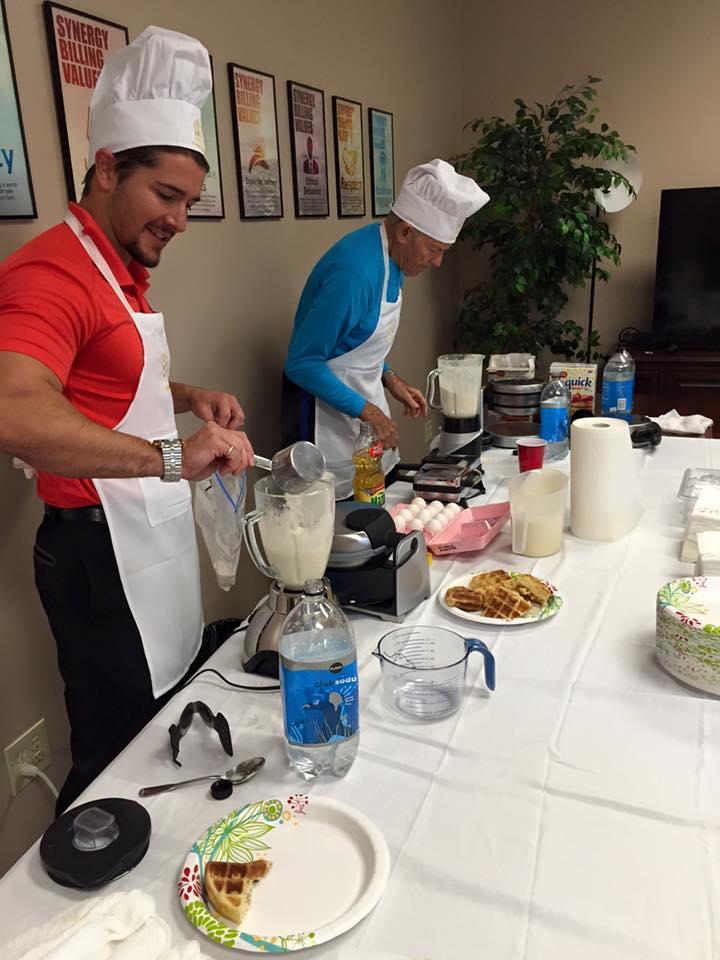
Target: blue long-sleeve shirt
[(339, 310)]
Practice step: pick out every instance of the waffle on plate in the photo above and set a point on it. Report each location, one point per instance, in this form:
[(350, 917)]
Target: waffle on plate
[(499, 595), (229, 886)]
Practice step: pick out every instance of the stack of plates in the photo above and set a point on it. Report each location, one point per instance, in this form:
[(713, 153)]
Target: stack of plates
[(688, 631)]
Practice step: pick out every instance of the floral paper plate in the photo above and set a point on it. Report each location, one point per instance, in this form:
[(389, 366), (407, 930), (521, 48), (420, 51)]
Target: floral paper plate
[(688, 631), (330, 867), (532, 616)]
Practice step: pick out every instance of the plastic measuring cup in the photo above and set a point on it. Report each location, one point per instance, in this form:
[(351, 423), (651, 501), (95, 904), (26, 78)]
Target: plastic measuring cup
[(423, 670), (537, 509)]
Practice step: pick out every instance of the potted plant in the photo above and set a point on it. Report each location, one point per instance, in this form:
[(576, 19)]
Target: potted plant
[(542, 226)]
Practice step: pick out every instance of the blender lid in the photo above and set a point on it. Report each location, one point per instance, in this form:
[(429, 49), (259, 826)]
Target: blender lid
[(362, 532)]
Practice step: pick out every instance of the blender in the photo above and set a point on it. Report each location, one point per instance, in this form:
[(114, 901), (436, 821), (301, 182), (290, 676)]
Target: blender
[(296, 531), (458, 379)]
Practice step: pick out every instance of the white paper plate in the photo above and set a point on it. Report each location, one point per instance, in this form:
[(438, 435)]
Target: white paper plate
[(534, 615), (330, 867)]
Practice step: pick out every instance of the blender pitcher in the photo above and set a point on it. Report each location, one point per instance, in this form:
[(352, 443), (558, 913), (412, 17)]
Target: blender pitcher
[(460, 383), (296, 529), (537, 509)]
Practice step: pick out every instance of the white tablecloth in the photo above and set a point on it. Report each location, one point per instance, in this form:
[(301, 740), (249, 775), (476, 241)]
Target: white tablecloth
[(574, 813)]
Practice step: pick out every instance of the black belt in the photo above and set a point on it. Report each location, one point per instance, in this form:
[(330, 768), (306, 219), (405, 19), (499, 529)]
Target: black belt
[(75, 514)]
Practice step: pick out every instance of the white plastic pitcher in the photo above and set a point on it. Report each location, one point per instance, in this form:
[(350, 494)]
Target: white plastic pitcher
[(460, 382), (537, 508)]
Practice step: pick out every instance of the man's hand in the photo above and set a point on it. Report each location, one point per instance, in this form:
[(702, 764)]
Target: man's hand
[(212, 406), (384, 427), (412, 399), (215, 448)]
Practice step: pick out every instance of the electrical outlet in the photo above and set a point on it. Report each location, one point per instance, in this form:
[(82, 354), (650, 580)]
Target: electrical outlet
[(31, 747)]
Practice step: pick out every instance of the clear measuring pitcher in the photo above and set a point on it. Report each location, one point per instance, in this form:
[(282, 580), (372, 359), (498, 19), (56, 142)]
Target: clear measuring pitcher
[(537, 509), (459, 377), (423, 670), (296, 529)]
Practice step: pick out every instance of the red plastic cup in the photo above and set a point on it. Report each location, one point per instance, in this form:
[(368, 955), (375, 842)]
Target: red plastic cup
[(531, 453)]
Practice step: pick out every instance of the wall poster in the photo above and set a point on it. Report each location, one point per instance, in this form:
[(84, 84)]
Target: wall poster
[(349, 162), (16, 192), (254, 113), (306, 107), (210, 206), (382, 163), (78, 44)]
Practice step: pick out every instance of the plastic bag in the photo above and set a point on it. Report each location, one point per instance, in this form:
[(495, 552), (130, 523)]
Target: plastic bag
[(219, 508)]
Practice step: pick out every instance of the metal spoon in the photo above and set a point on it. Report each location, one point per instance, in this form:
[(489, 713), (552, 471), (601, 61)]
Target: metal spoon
[(237, 774)]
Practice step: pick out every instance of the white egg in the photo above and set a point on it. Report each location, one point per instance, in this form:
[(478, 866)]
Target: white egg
[(434, 527), (414, 509), (416, 524), (436, 506), (399, 523), (405, 515), (454, 509), (419, 503), (425, 515), (443, 519)]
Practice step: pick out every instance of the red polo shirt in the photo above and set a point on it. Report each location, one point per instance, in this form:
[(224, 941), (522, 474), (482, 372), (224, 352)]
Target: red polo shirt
[(56, 307)]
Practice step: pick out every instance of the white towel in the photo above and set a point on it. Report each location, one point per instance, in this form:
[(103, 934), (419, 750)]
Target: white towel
[(672, 422), (121, 926)]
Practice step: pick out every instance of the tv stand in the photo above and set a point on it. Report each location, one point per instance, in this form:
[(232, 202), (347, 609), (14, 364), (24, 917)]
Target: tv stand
[(686, 380)]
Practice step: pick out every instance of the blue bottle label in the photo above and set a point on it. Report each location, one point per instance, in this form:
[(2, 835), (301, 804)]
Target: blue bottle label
[(554, 424), (617, 396), (320, 703)]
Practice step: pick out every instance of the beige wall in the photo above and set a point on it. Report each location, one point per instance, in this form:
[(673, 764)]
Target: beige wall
[(228, 289), (660, 91)]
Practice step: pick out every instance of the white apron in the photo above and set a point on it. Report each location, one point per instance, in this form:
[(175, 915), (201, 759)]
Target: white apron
[(151, 522), (360, 369)]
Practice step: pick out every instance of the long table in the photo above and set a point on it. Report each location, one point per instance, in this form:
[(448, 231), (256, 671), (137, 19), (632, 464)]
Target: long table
[(574, 813)]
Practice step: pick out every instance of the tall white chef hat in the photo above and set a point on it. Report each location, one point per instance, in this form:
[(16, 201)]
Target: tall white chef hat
[(437, 201), (150, 94)]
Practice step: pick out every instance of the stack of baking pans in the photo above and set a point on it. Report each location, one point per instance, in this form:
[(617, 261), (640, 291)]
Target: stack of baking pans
[(515, 398)]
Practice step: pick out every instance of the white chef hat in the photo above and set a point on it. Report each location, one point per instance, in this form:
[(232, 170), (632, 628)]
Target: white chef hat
[(437, 201), (150, 93)]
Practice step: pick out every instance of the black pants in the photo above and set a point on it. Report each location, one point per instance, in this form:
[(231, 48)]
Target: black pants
[(108, 693)]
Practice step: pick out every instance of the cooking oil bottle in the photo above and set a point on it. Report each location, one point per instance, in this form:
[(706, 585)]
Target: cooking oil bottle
[(369, 479)]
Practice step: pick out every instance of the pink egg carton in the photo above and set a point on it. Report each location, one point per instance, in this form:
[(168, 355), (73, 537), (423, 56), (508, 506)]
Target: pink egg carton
[(472, 529)]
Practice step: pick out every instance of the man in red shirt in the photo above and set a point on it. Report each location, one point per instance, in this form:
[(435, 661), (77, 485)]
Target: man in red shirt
[(86, 400)]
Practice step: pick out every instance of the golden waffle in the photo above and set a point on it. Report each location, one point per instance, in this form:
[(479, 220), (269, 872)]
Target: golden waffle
[(505, 604), (228, 886), (492, 578), (464, 599), (531, 589)]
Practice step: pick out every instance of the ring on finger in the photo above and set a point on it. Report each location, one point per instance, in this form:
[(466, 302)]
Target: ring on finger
[(230, 449)]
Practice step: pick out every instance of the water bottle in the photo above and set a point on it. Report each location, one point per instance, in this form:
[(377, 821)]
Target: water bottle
[(554, 417), (617, 386), (319, 684)]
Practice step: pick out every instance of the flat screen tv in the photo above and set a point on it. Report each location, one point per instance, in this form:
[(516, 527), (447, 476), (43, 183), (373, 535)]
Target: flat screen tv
[(687, 276)]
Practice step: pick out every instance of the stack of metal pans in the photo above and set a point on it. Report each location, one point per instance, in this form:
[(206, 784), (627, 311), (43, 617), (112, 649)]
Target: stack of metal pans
[(515, 398)]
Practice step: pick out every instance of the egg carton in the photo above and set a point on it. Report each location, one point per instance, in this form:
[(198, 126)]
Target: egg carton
[(469, 530)]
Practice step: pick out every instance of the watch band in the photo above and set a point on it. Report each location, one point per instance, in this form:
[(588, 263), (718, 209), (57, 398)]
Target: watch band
[(171, 451)]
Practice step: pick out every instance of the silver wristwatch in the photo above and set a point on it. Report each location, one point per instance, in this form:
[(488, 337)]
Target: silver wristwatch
[(171, 451)]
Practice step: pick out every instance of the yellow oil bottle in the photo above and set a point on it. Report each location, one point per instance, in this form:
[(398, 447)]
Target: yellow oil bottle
[(369, 479)]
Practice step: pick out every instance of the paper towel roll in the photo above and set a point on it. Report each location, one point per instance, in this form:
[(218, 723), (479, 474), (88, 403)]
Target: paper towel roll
[(605, 501)]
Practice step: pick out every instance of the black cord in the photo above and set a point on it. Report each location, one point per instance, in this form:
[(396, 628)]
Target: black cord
[(238, 686)]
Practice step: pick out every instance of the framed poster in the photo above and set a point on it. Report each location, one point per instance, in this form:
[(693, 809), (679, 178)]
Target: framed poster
[(306, 107), (210, 206), (349, 163), (78, 45), (16, 192), (382, 161), (254, 113)]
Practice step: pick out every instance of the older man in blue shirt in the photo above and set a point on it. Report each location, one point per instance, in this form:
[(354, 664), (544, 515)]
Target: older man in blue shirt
[(336, 372)]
